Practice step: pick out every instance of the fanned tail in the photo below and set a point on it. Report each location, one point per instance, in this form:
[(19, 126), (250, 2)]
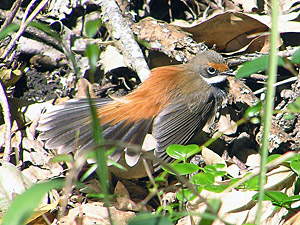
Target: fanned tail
[(68, 127)]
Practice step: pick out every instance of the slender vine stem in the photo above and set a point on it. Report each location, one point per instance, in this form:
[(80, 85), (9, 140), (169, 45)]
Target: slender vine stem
[(269, 103)]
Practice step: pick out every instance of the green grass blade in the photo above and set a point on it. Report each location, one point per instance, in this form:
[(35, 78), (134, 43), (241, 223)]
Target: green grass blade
[(23, 206)]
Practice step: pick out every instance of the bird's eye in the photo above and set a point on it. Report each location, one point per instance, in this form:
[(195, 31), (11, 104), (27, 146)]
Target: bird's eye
[(211, 70)]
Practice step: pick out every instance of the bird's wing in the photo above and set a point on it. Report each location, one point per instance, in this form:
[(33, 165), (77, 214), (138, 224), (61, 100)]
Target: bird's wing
[(68, 127), (178, 122)]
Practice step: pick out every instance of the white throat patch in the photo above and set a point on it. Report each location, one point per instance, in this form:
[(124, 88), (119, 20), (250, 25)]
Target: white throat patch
[(215, 79)]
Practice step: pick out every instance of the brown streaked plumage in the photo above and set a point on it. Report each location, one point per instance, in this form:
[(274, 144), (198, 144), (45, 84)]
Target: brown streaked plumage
[(174, 104)]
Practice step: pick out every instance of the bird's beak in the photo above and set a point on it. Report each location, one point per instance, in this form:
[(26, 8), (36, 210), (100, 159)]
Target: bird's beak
[(228, 73)]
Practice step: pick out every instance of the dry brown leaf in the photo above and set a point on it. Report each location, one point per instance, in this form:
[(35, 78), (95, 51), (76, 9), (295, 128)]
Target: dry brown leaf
[(123, 199), (13, 183), (211, 158), (185, 221), (242, 201), (277, 217), (168, 198), (253, 158), (44, 210), (285, 21), (233, 170), (33, 111), (35, 154), (9, 77), (34, 174), (248, 156), (16, 140), (226, 123), (228, 31), (281, 178), (125, 204), (95, 213), (166, 38), (243, 209), (270, 215), (286, 5), (111, 59), (84, 87), (294, 220), (121, 190), (239, 94)]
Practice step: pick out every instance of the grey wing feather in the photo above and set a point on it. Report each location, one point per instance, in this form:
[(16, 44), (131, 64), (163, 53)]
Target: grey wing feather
[(178, 123)]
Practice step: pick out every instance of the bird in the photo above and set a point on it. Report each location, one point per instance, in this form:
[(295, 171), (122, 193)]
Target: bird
[(173, 105)]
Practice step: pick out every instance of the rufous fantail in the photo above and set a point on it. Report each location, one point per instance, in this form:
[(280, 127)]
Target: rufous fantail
[(173, 104)]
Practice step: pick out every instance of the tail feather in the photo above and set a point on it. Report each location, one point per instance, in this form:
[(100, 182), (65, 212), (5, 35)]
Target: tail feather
[(73, 142), (69, 126), (55, 127), (137, 135)]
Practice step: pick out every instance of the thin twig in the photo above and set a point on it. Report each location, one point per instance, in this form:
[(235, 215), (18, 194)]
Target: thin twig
[(13, 11), (7, 120), (123, 37), (256, 171), (289, 80), (23, 27), (151, 178)]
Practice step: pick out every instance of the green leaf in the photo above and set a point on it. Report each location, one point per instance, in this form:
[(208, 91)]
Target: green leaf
[(95, 195), (89, 172), (216, 167), (211, 212), (253, 111), (295, 157), (295, 165), (92, 52), (203, 179), (47, 29), (215, 205), (256, 65), (183, 168), (9, 29), (288, 116), (101, 156), (26, 203), (115, 164), (92, 27), (160, 179), (255, 120), (294, 107), (62, 158), (149, 219), (291, 199), (215, 170), (273, 157), (252, 184), (208, 218), (181, 152), (296, 57), (215, 188), (185, 195), (276, 197)]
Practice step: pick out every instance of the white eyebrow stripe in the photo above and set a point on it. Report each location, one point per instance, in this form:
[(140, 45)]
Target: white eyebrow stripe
[(215, 79)]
